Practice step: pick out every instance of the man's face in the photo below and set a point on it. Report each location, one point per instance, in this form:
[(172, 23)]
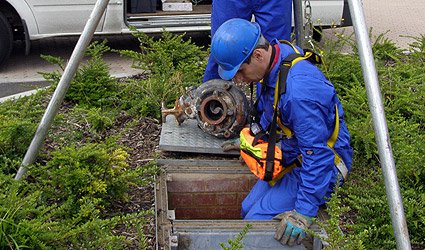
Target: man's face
[(254, 71)]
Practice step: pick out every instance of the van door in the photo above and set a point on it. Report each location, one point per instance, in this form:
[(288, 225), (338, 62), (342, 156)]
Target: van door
[(62, 17), (149, 16)]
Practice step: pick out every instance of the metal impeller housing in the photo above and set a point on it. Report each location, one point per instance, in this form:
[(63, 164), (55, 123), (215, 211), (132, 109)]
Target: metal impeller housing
[(222, 108)]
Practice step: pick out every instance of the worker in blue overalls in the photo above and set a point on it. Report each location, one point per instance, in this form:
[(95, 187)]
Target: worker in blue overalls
[(309, 108), (274, 18)]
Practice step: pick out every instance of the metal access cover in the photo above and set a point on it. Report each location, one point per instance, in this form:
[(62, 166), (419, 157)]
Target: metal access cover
[(188, 137), (193, 235)]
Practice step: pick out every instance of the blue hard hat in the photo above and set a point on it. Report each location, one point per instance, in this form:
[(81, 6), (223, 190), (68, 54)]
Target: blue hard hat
[(232, 44)]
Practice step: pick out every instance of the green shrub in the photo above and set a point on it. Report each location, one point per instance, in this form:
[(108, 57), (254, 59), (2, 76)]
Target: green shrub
[(92, 84), (18, 122), (27, 223), (24, 223), (402, 84), (170, 53), (15, 135), (172, 63), (86, 179), (417, 48), (62, 204), (335, 238), (97, 119), (9, 164), (237, 242), (101, 233)]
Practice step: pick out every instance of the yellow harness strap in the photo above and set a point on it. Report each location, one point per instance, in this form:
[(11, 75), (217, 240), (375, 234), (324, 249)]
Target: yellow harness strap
[(332, 140), (288, 132), (286, 170), (330, 143)]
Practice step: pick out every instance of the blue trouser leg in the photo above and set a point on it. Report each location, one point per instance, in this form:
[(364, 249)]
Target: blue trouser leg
[(274, 18), (265, 201), (223, 10), (256, 193)]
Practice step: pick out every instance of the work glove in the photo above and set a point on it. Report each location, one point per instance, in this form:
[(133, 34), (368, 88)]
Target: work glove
[(292, 227), (233, 144)]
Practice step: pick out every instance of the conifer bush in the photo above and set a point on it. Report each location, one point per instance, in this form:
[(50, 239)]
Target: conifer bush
[(67, 198), (402, 82), (172, 63)]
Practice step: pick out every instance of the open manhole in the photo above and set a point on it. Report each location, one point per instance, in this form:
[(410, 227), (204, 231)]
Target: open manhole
[(198, 204)]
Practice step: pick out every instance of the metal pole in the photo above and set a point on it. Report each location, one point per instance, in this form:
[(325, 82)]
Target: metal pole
[(61, 89), (298, 22), (380, 126)]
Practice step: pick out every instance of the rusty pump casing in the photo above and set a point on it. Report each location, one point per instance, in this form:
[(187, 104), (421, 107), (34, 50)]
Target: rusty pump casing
[(220, 107)]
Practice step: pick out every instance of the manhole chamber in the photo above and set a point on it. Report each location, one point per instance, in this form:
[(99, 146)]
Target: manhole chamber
[(198, 204)]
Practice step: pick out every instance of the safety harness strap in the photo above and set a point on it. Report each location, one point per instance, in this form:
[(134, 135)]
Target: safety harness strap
[(280, 89)]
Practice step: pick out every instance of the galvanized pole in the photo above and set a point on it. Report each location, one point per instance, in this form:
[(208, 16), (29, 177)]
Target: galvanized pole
[(380, 126), (298, 22), (61, 89)]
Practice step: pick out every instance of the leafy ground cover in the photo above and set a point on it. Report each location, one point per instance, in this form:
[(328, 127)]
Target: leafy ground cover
[(92, 184), (365, 213)]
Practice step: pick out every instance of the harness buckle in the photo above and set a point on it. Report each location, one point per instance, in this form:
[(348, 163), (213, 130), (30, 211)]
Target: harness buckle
[(255, 128), (342, 168)]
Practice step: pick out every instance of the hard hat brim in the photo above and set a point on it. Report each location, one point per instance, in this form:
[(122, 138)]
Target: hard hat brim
[(232, 44), (227, 74)]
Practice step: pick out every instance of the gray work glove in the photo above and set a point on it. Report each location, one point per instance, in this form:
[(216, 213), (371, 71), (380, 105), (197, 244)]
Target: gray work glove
[(292, 227), (233, 144)]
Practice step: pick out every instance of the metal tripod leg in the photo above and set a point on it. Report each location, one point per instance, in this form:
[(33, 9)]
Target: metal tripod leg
[(298, 22), (380, 126)]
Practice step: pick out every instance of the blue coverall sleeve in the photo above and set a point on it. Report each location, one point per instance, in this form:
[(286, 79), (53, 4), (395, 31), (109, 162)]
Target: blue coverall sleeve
[(309, 120)]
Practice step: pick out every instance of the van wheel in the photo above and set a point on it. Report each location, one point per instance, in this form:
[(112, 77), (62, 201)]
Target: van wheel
[(6, 39)]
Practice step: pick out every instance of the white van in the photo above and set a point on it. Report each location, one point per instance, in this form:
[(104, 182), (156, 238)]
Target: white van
[(29, 20)]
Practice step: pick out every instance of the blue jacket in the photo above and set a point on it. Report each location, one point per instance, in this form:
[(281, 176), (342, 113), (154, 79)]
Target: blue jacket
[(308, 109)]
